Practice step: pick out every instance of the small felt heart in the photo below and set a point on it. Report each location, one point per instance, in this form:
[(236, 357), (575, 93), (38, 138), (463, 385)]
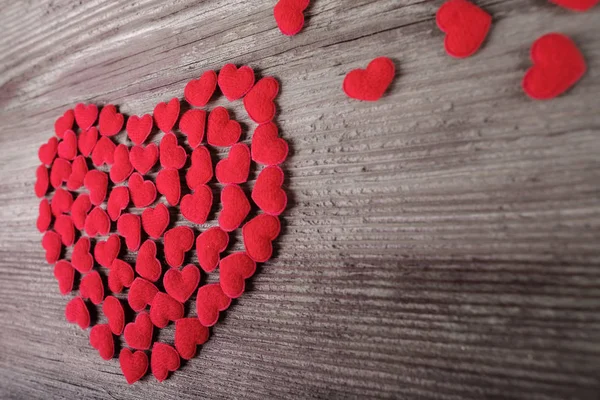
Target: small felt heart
[(45, 216), (165, 114), (233, 271), (130, 227), (177, 242), (60, 172), (138, 334), (113, 310), (133, 365), (466, 27), (164, 359), (146, 264), (141, 293), (171, 154), (81, 206), (258, 233), (67, 148), (47, 152), (121, 275), (180, 285), (189, 333), (63, 225), (209, 245), (97, 223), (236, 167), (61, 202), (118, 200), (65, 275), (192, 124), (576, 5), (196, 206), (107, 250), (234, 82), (201, 171), (155, 220), (138, 128), (96, 182), (42, 181), (143, 158), (76, 312), (371, 83), (64, 122), (79, 170), (165, 308), (221, 130), (53, 245), (122, 167), (267, 192), (81, 258), (558, 65), (86, 115), (198, 92), (101, 338), (210, 300), (169, 185), (87, 141), (104, 152), (259, 100), (110, 122), (91, 287), (267, 147), (143, 193), (289, 15)]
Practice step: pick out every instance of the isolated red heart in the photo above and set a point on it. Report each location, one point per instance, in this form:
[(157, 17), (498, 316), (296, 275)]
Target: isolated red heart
[(141, 293), (289, 15), (466, 27), (235, 82), (146, 264), (199, 91), (259, 100), (189, 333), (164, 359), (138, 128), (236, 208), (222, 131), (576, 5), (180, 285), (138, 334), (192, 124), (236, 167), (101, 338), (143, 158), (371, 83), (110, 122), (196, 206), (133, 365), (209, 245)]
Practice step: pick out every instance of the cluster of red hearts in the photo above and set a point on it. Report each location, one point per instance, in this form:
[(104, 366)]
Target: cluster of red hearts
[(91, 185)]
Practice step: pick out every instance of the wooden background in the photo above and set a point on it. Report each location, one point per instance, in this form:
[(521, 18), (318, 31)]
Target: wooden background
[(442, 243)]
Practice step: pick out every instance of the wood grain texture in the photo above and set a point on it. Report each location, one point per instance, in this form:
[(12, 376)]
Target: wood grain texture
[(442, 243)]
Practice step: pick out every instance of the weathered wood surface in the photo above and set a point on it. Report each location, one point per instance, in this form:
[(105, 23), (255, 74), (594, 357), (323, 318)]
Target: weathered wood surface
[(442, 243)]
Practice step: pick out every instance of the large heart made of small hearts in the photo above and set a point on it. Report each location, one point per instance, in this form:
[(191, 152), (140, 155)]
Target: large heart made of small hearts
[(109, 196)]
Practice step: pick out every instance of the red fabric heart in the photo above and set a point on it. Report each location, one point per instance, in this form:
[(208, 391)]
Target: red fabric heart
[(141, 293), (155, 220), (101, 338), (259, 100), (196, 206), (171, 154), (91, 287), (81, 206), (110, 122), (210, 300), (113, 310), (104, 152), (60, 172), (79, 170), (576, 5), (64, 122), (53, 245), (86, 115), (97, 222), (138, 334), (233, 271), (76, 312), (234, 82), (138, 128), (166, 114), (221, 130), (143, 158), (236, 167), (118, 200), (81, 258), (267, 147), (267, 192), (87, 141), (120, 275), (96, 182), (558, 65), (122, 167), (198, 92), (61, 202), (371, 83), (169, 185), (209, 245), (289, 15), (64, 227), (177, 242), (143, 193), (201, 171), (235, 208), (65, 275), (42, 181), (258, 234), (130, 227), (189, 333), (133, 365), (146, 264), (45, 216), (466, 27), (192, 124), (67, 148), (163, 309), (164, 359), (47, 152), (107, 250), (180, 285)]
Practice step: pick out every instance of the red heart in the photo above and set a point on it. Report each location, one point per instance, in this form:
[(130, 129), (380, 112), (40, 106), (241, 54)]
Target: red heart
[(558, 65), (121, 275), (110, 122), (163, 309), (267, 147), (45, 216), (198, 92), (209, 245), (113, 310), (91, 287), (64, 122), (104, 152), (42, 181), (96, 182), (164, 359), (81, 258), (67, 148), (101, 338), (60, 172), (171, 155), (371, 83), (138, 334), (53, 245), (201, 171), (233, 270), (155, 220), (81, 206), (107, 250), (146, 264), (86, 115), (87, 140), (133, 365), (177, 242), (289, 15), (138, 128), (118, 200), (222, 131), (122, 167), (576, 5), (267, 192), (165, 114), (180, 285), (143, 158), (61, 202), (192, 124), (77, 312), (97, 222), (196, 206), (258, 234), (236, 167), (47, 151), (168, 184), (130, 227), (466, 27), (141, 293), (235, 208), (234, 82), (79, 170), (64, 227), (210, 300), (143, 193), (189, 333), (259, 100), (65, 275)]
